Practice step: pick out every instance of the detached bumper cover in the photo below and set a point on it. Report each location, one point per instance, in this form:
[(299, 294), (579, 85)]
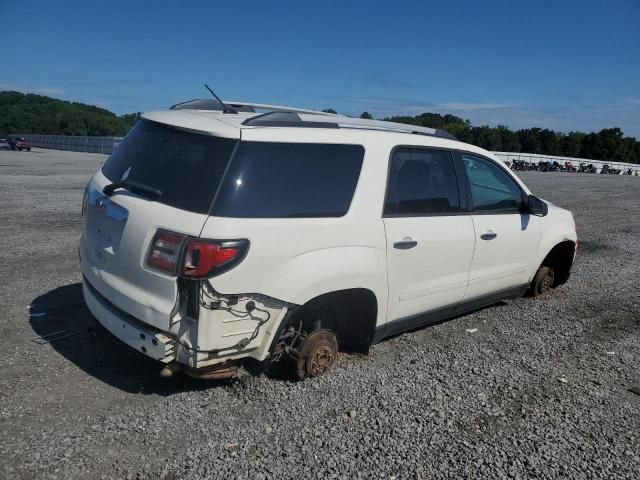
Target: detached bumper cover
[(131, 331)]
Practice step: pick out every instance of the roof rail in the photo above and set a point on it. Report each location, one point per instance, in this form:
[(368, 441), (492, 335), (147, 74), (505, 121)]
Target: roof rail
[(278, 108), (280, 116), (212, 104), (209, 104), (312, 120)]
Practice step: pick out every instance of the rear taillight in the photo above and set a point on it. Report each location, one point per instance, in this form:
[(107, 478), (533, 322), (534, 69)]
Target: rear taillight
[(164, 253), (206, 258), (190, 257)]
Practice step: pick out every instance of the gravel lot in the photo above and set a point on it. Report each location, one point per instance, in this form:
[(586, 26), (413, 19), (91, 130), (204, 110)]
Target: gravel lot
[(545, 388)]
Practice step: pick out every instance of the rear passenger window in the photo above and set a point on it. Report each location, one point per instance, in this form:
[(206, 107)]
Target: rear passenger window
[(422, 182), (289, 180), (492, 189)]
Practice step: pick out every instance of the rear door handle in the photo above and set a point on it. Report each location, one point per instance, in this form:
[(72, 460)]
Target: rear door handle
[(405, 244), (488, 235)]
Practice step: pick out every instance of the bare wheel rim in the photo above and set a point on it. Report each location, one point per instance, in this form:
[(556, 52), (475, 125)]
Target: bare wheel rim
[(547, 282), (321, 360)]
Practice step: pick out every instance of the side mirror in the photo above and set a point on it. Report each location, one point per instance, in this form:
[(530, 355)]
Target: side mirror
[(537, 207)]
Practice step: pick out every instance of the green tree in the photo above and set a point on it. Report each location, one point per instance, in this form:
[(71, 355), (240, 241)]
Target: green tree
[(366, 115), (571, 143), (29, 113)]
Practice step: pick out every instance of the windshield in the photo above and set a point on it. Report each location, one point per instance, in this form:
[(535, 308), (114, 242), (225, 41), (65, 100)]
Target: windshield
[(185, 167)]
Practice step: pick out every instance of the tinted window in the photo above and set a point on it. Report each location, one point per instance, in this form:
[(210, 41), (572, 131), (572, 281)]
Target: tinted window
[(186, 167), (421, 182), (492, 189), (281, 180)]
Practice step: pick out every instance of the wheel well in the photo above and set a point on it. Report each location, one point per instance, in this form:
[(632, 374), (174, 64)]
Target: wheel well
[(351, 314), (560, 258)]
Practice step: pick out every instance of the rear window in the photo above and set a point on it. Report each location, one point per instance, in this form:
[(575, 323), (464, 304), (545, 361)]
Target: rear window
[(186, 167), (289, 180)]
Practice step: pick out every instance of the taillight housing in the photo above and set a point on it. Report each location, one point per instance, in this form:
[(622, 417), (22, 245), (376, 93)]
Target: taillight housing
[(164, 254), (190, 257)]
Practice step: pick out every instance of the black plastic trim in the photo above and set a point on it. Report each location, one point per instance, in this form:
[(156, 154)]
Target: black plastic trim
[(284, 119), (396, 327), (444, 134)]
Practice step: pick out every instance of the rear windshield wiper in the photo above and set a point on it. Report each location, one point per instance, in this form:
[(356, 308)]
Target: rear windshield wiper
[(134, 187)]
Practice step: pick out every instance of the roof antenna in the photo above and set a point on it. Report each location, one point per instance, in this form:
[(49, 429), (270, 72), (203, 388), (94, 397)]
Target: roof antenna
[(227, 108)]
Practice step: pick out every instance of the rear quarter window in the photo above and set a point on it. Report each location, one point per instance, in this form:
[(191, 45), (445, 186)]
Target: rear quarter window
[(289, 180)]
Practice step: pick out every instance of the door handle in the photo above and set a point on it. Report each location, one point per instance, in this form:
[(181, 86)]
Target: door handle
[(488, 235), (405, 244)]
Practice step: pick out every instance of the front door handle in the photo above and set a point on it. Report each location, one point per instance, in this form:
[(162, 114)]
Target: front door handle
[(405, 244), (488, 235)]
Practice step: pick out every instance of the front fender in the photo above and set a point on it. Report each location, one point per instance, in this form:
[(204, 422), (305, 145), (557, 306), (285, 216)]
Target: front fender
[(552, 234)]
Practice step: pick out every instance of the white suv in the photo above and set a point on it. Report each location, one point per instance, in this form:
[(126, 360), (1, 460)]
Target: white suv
[(215, 236)]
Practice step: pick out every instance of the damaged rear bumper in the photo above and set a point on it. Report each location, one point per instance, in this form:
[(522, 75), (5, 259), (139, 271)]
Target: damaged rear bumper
[(134, 333), (225, 329)]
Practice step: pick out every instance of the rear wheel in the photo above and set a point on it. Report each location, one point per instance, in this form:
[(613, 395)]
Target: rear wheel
[(543, 281), (316, 355)]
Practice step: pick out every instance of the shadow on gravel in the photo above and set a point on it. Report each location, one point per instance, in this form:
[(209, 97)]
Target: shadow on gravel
[(100, 354), (590, 246)]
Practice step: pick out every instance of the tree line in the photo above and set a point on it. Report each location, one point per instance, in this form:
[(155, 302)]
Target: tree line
[(30, 113), (608, 144)]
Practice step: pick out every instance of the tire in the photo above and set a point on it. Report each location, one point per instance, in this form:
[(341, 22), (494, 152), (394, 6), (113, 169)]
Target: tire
[(543, 282), (317, 354)]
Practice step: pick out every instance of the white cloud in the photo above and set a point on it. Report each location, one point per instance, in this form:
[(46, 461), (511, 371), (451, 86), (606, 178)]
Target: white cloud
[(474, 106), (585, 117)]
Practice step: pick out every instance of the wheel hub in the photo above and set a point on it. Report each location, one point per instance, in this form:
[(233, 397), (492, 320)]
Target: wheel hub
[(547, 282), (320, 360)]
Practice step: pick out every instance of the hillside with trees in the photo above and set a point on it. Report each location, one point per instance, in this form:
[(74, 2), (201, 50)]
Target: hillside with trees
[(29, 113), (608, 144)]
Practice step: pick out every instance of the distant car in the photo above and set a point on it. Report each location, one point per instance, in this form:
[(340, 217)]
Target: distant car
[(19, 143), (4, 145)]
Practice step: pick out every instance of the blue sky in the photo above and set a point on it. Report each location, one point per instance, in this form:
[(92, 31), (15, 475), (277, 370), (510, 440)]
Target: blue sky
[(566, 65)]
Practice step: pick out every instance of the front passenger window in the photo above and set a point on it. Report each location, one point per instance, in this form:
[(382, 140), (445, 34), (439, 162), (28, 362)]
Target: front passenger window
[(492, 189)]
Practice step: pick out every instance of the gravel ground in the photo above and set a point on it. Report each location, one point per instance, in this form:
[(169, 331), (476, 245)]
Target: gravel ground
[(544, 388)]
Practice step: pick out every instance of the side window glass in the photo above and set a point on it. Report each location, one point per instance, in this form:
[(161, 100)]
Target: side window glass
[(492, 189), (422, 182)]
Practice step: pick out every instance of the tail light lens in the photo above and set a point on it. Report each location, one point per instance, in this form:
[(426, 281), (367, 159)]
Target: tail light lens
[(164, 254), (189, 257)]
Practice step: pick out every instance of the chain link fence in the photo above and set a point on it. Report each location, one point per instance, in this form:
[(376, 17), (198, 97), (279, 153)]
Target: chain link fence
[(104, 145)]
